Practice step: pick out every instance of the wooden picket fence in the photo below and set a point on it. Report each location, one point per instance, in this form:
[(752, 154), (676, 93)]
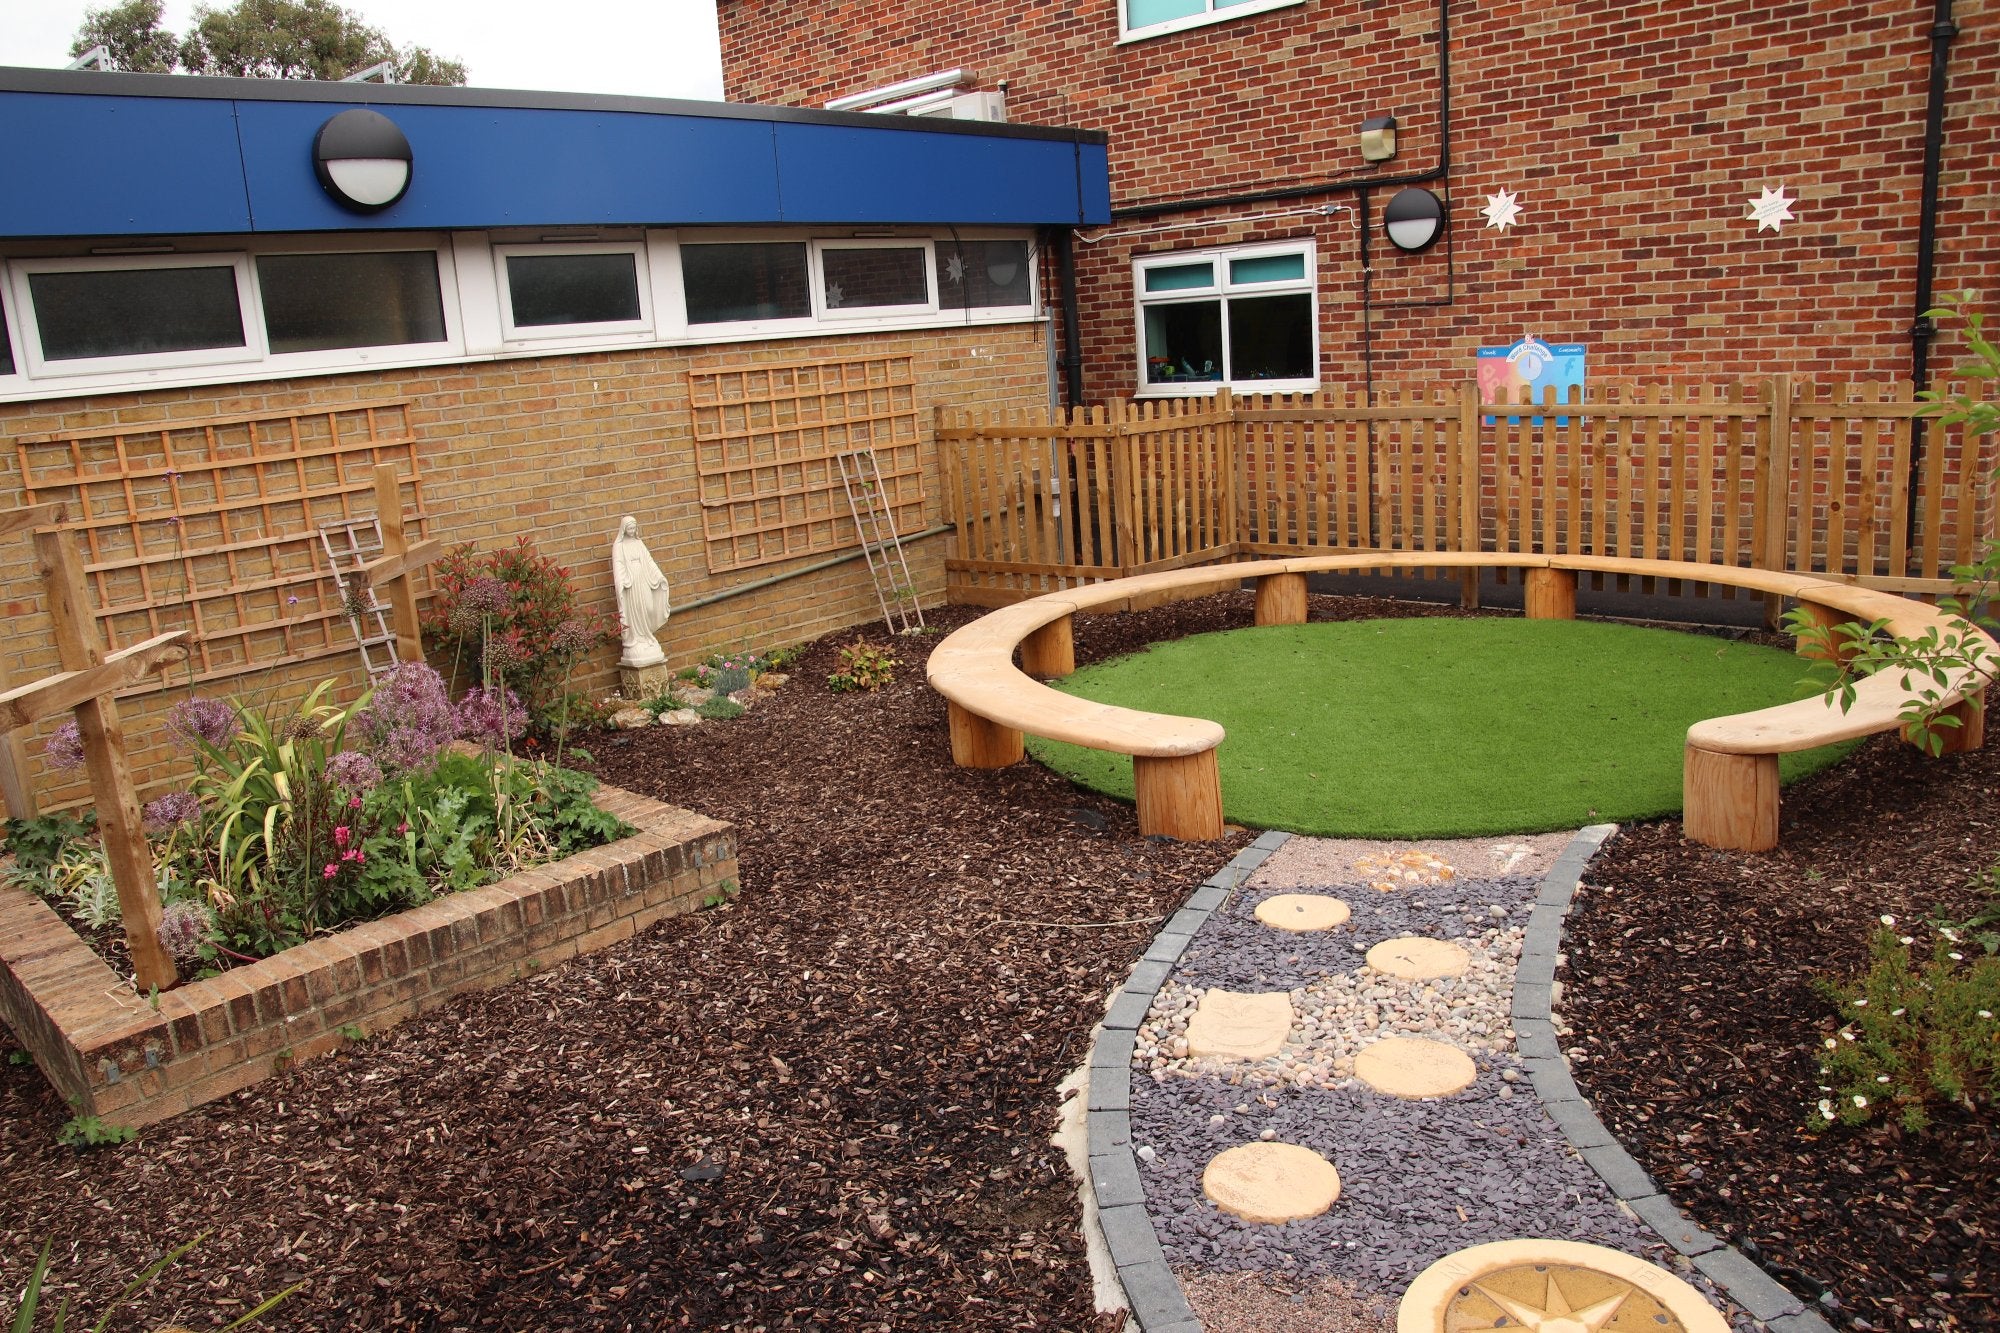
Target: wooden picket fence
[(1771, 474)]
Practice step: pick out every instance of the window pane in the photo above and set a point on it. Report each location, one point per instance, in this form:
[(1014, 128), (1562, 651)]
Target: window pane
[(133, 311), (573, 289), (1145, 13), (1184, 343), (980, 275), (1180, 277), (6, 347), (876, 276), (728, 283), (313, 302), (1268, 268), (1270, 338)]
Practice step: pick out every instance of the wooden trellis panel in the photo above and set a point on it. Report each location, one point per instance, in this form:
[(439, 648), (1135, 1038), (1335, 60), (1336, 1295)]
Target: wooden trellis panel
[(211, 526), (765, 442)]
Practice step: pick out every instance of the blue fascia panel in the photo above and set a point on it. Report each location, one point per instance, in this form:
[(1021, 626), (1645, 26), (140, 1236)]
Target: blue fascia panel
[(840, 174), (119, 166), (1093, 175), (506, 167)]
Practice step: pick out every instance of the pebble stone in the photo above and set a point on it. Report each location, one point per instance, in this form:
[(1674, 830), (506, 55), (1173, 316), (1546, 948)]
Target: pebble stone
[(1271, 1182)]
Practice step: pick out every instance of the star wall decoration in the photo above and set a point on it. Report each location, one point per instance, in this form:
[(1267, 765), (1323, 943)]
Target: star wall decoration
[(1771, 208), (1502, 210)]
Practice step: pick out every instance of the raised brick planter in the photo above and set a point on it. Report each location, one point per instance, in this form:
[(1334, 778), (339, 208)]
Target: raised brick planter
[(115, 1055)]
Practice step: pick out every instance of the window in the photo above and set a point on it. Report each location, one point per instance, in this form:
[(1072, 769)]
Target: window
[(558, 291), (740, 283), (984, 275), (874, 278), (321, 302), (6, 342), (85, 316), (1151, 18), (1243, 317)]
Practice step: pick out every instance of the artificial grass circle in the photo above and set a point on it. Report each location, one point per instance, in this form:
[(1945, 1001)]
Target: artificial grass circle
[(1441, 727)]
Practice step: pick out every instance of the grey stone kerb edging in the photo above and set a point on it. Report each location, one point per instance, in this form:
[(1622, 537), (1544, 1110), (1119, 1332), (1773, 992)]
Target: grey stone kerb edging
[(1543, 1060), (1151, 1289)]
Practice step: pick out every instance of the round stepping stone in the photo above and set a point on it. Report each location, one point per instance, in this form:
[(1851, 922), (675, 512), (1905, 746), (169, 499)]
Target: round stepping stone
[(1414, 1068), (1271, 1182), (1415, 958), (1558, 1286), (1231, 1025), (1303, 911)]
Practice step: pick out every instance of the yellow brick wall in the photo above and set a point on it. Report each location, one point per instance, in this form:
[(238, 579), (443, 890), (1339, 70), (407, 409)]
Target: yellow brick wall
[(556, 449)]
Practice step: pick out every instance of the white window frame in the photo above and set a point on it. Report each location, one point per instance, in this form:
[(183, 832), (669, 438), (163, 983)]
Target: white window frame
[(10, 334), (28, 351), (616, 330), (1128, 33), (724, 331), (1221, 291), (821, 310), (984, 313), (338, 358)]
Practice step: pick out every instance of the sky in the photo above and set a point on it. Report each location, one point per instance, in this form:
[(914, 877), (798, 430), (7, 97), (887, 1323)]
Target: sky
[(648, 48)]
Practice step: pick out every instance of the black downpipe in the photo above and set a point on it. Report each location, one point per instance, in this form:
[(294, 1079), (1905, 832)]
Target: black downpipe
[(1072, 355), (1922, 328)]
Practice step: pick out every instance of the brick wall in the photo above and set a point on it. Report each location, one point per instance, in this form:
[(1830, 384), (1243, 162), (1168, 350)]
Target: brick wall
[(554, 448), (1635, 135)]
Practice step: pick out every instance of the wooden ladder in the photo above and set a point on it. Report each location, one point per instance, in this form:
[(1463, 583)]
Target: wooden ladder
[(349, 545), (895, 589)]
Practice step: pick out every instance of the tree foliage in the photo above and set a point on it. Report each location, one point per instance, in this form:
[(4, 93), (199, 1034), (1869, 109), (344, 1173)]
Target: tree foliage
[(264, 39)]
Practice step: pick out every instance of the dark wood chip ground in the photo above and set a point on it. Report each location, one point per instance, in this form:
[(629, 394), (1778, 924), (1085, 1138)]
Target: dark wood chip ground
[(828, 1106)]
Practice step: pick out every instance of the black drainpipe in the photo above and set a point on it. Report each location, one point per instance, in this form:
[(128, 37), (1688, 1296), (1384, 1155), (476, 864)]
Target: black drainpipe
[(1072, 355), (1923, 329)]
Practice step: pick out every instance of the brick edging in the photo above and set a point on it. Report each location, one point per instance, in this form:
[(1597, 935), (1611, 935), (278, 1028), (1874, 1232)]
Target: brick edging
[(1152, 1292), (1543, 1060)]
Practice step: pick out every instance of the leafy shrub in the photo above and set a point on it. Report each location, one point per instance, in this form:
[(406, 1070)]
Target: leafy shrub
[(1911, 1037), (37, 842), (703, 675), (863, 666), (721, 708)]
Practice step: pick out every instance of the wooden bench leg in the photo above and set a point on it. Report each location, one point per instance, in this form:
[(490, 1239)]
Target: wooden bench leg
[(1179, 796), (1551, 594), (978, 743), (1969, 734), (1049, 653), (1830, 619), (1730, 800), (1281, 599)]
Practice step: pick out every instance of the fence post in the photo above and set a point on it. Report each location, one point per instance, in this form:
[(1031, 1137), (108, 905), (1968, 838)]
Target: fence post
[(1774, 489), (1229, 464), (1124, 488), (1468, 489)]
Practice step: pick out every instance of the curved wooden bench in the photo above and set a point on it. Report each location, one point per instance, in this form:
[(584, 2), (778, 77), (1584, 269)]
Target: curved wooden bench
[(1730, 774)]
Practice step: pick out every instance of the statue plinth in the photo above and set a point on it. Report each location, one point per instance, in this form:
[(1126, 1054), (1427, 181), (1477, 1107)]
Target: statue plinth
[(637, 683)]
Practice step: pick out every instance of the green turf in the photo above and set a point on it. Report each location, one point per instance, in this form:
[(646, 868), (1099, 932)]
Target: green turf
[(1441, 727)]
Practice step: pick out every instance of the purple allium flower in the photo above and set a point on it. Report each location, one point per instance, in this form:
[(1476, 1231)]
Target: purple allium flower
[(354, 771), (485, 596), (491, 717), (65, 748), (183, 926), (198, 721), (572, 636), (408, 720), (171, 811)]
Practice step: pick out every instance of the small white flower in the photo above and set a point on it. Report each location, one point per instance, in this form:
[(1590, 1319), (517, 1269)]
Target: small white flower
[(1986, 1013), (1831, 1043), (1826, 1108), (1888, 920), (1948, 933), (1861, 1004), (1845, 1035), (1908, 940), (1956, 957), (1881, 1078), (1859, 1100)]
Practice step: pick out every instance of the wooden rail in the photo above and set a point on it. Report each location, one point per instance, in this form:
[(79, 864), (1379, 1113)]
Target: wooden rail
[(1730, 772)]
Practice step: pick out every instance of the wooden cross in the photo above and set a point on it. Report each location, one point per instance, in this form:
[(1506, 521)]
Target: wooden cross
[(86, 686), (392, 569)]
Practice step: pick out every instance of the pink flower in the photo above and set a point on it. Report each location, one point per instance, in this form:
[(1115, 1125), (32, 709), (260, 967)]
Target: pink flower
[(340, 836), (402, 828), (354, 803), (330, 871)]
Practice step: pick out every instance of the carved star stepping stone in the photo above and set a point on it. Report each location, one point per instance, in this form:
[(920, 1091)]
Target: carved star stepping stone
[(1414, 1068), (1232, 1025), (1271, 1182), (1414, 958), (1558, 1286), (1303, 911)]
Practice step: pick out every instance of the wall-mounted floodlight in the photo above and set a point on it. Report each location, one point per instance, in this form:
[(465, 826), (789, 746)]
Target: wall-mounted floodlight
[(362, 160), (1414, 219), (1378, 139)]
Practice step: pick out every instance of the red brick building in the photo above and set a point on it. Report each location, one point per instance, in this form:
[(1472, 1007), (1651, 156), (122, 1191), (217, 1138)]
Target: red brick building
[(1248, 242)]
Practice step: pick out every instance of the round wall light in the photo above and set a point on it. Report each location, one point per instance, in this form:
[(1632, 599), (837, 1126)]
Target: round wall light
[(1414, 219), (362, 160)]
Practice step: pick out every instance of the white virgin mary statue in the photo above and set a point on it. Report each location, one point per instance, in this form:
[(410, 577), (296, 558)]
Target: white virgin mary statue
[(642, 596)]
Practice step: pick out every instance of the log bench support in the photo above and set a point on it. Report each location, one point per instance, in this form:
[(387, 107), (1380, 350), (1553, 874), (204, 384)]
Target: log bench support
[(1179, 796), (1730, 800), (1049, 653), (1969, 734), (1281, 599), (1550, 594), (978, 743), (1830, 619)]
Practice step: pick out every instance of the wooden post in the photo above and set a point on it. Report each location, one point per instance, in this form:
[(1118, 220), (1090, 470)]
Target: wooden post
[(978, 743), (1969, 734), (402, 597), (15, 789), (1730, 800), (1830, 619), (118, 819), (1550, 594), (1281, 599), (1049, 653), (1229, 459), (1179, 796), (1774, 491), (1468, 494)]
